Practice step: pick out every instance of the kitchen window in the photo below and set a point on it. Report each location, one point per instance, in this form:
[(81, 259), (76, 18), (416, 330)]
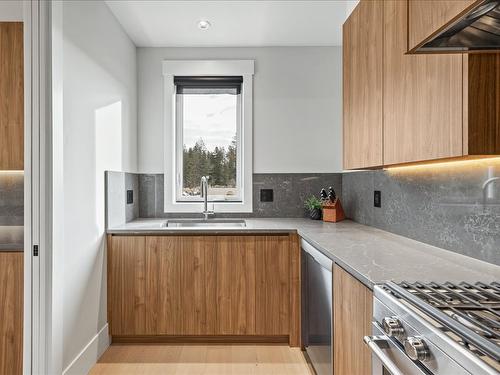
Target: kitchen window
[(208, 132)]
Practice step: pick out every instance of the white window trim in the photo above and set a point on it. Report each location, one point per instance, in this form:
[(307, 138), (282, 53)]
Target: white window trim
[(244, 68)]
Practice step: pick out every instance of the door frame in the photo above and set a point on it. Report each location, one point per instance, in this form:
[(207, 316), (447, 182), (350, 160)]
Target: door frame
[(42, 351)]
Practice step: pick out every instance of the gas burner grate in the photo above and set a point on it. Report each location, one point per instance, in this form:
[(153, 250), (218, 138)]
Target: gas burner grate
[(475, 307)]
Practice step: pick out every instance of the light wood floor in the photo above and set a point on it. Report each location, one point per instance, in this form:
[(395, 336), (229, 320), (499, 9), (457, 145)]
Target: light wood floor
[(201, 360)]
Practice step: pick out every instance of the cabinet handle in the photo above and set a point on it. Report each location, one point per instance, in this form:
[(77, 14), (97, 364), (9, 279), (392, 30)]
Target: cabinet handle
[(376, 345)]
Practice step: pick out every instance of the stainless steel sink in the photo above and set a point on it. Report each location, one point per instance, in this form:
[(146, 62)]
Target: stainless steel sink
[(202, 223)]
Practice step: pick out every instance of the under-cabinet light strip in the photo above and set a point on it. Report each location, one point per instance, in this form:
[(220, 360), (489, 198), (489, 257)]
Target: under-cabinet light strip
[(450, 163)]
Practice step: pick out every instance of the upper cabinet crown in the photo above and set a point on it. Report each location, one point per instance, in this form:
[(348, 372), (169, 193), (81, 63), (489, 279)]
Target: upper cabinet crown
[(401, 108), (11, 96)]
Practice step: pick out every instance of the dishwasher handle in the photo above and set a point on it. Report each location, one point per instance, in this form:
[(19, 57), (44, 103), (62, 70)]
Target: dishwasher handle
[(377, 344), (318, 256)]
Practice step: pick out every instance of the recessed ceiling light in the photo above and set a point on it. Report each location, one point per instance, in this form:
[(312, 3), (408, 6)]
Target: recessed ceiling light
[(204, 25)]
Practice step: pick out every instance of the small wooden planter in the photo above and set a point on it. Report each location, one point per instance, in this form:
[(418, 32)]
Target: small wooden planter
[(333, 212)]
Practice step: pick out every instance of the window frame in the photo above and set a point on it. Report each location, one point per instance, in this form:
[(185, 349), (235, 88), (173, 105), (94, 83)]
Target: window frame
[(179, 155), (172, 134)]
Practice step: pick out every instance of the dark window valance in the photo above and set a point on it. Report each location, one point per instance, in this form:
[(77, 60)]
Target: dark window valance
[(208, 84)]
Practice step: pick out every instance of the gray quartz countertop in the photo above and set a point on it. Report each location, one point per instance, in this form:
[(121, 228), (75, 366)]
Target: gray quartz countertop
[(372, 255), (11, 238)]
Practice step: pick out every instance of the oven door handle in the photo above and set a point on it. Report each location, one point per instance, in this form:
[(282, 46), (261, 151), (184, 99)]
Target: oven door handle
[(377, 344)]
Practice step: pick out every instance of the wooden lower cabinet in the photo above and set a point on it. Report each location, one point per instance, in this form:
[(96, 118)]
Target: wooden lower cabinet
[(352, 317), (235, 288), (162, 285), (11, 312), (272, 292), (171, 288)]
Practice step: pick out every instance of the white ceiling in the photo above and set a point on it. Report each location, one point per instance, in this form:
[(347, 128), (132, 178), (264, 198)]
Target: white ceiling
[(235, 23)]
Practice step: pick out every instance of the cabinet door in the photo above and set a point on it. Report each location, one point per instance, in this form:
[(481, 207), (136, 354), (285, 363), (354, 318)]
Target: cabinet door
[(182, 285), (272, 255), (482, 104), (198, 285), (11, 313), (126, 285), (11, 96), (162, 285), (362, 81), (164, 315), (428, 17), (422, 97), (235, 285), (352, 316)]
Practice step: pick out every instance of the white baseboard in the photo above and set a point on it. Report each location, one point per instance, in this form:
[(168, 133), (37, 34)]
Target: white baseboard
[(88, 357)]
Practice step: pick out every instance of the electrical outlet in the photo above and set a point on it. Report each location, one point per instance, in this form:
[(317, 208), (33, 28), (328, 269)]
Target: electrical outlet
[(130, 196), (377, 198), (266, 195)]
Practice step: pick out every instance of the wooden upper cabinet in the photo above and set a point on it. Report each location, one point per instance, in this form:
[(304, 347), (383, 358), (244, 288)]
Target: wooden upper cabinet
[(426, 107), (11, 96), (481, 112), (436, 106), (362, 86), (422, 97), (427, 18)]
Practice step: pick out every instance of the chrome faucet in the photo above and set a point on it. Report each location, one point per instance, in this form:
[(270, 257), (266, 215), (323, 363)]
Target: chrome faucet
[(204, 195)]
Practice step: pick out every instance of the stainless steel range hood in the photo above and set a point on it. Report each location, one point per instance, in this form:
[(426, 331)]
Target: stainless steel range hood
[(477, 30)]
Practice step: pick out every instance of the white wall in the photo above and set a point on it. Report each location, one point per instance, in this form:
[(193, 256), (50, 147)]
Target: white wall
[(297, 106), (100, 132), (11, 10), (350, 5)]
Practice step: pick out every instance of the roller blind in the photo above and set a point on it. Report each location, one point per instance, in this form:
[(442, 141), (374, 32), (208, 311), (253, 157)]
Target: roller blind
[(208, 85)]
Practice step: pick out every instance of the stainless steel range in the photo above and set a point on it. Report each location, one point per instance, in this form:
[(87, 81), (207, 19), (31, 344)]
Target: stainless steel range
[(444, 329)]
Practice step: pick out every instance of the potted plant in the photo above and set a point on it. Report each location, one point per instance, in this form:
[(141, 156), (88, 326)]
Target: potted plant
[(313, 204)]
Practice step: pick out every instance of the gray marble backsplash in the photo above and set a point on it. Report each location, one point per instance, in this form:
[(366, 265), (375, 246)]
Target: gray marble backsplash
[(445, 206), (11, 210), (11, 198), (290, 191)]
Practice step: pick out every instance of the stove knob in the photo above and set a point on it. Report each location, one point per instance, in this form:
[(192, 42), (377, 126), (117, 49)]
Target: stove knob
[(417, 349), (393, 327)]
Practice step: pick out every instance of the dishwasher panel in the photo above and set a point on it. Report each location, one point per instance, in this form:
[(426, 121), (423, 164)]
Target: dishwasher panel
[(317, 309)]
